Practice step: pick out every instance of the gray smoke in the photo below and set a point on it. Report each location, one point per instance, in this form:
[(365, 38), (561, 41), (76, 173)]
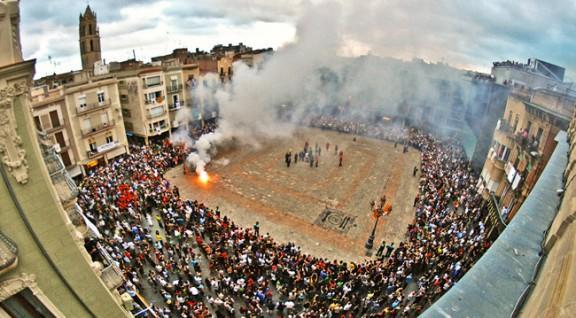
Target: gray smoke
[(309, 77)]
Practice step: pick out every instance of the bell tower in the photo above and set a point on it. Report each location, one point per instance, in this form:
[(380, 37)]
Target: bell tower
[(89, 39)]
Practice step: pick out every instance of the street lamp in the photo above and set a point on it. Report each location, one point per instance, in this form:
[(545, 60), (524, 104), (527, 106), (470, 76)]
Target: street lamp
[(377, 211)]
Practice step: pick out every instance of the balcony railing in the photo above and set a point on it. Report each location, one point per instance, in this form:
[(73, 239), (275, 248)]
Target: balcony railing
[(173, 88), (111, 274), (175, 106), (147, 85), (102, 149), (98, 128), (158, 114), (155, 101), (158, 129), (8, 254), (93, 107), (531, 146)]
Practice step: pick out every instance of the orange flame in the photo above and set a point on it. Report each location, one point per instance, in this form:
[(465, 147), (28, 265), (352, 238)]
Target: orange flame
[(204, 177)]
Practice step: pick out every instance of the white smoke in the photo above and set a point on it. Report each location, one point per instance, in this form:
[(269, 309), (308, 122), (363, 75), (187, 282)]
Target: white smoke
[(310, 75)]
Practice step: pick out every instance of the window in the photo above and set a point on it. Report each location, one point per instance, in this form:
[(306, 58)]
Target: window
[(539, 134), (176, 100), (109, 139), (60, 139), (46, 123), (93, 147), (54, 119), (25, 304), (37, 123), (65, 158), (89, 29), (126, 113), (91, 46), (101, 98)]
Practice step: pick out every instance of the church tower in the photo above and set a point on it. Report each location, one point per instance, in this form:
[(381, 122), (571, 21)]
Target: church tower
[(89, 39)]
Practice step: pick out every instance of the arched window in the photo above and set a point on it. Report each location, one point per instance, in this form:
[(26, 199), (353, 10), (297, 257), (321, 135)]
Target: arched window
[(89, 29), (91, 46)]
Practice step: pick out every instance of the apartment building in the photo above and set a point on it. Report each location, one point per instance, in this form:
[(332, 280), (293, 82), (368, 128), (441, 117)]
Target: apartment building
[(156, 98), (522, 144), (84, 119)]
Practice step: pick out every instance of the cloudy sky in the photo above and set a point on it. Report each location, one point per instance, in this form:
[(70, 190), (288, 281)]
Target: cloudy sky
[(467, 34)]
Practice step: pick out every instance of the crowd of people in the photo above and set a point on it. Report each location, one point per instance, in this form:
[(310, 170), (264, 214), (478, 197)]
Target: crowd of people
[(202, 264)]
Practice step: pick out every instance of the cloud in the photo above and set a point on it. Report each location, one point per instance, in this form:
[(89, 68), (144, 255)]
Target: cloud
[(468, 34)]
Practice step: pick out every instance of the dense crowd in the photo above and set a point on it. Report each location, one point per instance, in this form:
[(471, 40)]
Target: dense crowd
[(203, 264)]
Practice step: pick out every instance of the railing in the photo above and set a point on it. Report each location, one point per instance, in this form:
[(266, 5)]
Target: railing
[(65, 187), (173, 88), (175, 106), (111, 274), (8, 253), (150, 115), (93, 107), (158, 129), (146, 85), (54, 128), (100, 127), (157, 100), (102, 149), (525, 144)]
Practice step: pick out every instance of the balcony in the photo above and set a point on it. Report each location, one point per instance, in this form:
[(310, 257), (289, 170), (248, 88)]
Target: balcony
[(157, 114), (92, 107), (111, 274), (148, 85), (174, 107), (100, 150), (97, 129), (158, 129), (54, 129), (158, 100), (173, 88), (499, 164), (529, 145), (8, 254)]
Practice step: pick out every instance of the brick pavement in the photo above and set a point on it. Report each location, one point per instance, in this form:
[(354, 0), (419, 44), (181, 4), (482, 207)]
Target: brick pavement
[(257, 186)]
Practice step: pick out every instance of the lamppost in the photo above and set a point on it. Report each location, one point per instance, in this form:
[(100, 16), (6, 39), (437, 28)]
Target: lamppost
[(377, 211)]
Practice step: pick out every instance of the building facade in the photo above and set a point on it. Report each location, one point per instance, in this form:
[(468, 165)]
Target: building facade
[(522, 144), (44, 269), (84, 119), (157, 98)]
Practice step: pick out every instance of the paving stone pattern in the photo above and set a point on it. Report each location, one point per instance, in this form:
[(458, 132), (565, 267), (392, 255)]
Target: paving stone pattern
[(308, 205)]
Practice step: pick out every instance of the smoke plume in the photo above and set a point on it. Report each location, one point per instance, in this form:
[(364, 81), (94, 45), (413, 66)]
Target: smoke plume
[(308, 78)]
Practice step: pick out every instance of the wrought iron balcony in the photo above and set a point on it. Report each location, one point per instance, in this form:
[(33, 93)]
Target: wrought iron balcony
[(93, 107), (98, 128), (102, 149), (173, 88)]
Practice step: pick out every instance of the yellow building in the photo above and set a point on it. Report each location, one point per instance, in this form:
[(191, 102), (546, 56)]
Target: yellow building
[(84, 118), (44, 269), (153, 95), (522, 144)]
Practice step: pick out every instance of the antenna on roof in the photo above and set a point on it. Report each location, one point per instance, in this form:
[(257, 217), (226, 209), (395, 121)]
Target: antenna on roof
[(134, 54)]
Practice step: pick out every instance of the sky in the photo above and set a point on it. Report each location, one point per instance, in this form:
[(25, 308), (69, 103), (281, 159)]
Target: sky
[(464, 34)]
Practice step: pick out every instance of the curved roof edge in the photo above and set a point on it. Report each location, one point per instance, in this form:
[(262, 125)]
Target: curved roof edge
[(499, 280)]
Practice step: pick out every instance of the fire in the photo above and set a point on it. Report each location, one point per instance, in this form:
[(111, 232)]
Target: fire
[(204, 177)]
